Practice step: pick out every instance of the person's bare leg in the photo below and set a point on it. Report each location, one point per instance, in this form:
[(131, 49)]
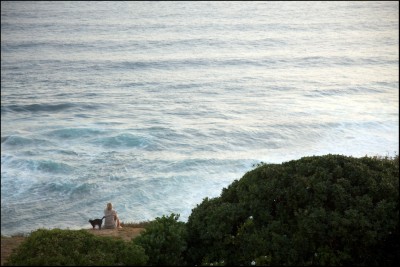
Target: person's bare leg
[(118, 223)]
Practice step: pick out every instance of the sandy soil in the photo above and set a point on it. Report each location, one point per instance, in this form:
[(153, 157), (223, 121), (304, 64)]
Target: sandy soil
[(126, 233), (8, 244)]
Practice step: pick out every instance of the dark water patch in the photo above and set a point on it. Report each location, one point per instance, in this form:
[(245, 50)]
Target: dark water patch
[(109, 123), (91, 95), (82, 116), (73, 133), (62, 95), (64, 152), (124, 140), (17, 141), (138, 84), (323, 92), (165, 134), (179, 63), (74, 95), (315, 93), (48, 45), (387, 84), (188, 85), (270, 62), (209, 165), (50, 166), (363, 90), (326, 61), (46, 166), (72, 190), (36, 107)]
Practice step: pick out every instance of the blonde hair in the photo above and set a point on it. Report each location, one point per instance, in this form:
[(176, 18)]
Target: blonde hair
[(109, 206)]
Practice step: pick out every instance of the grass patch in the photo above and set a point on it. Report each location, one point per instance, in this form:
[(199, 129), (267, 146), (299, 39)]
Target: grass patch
[(142, 224)]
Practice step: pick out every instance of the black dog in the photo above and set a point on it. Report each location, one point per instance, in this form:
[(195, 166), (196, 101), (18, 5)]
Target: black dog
[(97, 222)]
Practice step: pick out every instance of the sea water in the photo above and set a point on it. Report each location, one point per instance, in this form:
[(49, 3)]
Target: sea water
[(154, 106)]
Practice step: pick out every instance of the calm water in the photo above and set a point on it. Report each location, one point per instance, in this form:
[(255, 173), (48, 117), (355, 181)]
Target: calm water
[(156, 105)]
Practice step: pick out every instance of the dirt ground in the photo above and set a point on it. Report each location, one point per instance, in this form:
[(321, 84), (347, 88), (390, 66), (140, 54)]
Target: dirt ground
[(126, 233), (8, 244)]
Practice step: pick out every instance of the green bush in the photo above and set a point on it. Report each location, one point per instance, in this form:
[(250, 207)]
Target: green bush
[(164, 241), (320, 210), (70, 247)]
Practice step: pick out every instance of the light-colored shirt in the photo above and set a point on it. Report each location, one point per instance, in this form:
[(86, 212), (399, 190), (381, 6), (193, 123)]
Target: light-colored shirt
[(109, 220)]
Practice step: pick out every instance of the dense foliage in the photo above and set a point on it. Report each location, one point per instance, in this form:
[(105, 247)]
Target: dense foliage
[(70, 247), (321, 210), (164, 241)]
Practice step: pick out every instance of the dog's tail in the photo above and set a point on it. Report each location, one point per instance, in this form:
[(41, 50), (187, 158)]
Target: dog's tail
[(106, 216)]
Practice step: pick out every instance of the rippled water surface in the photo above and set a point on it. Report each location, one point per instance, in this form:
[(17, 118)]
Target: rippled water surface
[(156, 105)]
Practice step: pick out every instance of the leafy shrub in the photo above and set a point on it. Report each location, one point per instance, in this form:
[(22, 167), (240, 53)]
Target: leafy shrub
[(70, 247), (320, 210), (164, 241)]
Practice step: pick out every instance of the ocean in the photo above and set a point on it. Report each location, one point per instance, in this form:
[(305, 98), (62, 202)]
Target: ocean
[(154, 106)]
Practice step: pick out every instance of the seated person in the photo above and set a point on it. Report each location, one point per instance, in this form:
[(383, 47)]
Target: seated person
[(111, 218)]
